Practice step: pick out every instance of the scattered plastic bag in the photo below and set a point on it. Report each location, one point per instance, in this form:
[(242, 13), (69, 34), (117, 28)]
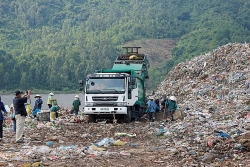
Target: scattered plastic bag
[(125, 153), (105, 142), (95, 148), (125, 134), (42, 149), (119, 143), (37, 164), (221, 134), (210, 141), (161, 132), (50, 143), (26, 165)]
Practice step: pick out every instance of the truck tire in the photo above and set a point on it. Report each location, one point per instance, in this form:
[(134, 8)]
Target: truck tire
[(92, 118), (128, 116), (141, 112)]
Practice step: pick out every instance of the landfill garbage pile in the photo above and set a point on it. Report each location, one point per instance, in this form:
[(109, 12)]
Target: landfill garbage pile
[(221, 76), (212, 91)]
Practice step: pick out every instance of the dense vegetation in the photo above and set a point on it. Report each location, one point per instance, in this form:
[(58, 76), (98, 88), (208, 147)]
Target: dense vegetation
[(51, 44)]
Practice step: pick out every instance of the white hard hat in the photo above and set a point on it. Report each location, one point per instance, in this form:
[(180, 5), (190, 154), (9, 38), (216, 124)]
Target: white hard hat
[(52, 94), (172, 98), (150, 97), (76, 96), (37, 96)]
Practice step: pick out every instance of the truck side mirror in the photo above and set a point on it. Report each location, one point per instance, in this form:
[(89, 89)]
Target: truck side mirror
[(133, 82), (80, 82)]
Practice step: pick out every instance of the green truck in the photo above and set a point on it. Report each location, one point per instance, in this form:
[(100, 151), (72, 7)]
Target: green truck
[(118, 93)]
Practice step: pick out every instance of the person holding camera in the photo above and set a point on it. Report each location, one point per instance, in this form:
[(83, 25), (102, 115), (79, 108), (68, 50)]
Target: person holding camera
[(20, 113), (2, 108)]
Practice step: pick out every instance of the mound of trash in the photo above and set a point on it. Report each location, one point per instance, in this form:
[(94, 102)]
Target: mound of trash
[(219, 80), (213, 90)]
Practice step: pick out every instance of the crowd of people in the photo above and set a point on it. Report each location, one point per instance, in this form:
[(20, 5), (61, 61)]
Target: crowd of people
[(168, 106), (18, 111)]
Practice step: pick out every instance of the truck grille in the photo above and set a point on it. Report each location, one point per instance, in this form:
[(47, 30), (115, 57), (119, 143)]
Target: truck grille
[(105, 98), (105, 104)]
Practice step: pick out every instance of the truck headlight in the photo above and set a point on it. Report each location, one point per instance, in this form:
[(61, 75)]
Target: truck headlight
[(89, 104), (122, 104)]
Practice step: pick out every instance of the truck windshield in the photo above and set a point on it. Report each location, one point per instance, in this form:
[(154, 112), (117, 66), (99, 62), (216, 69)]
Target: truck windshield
[(105, 85)]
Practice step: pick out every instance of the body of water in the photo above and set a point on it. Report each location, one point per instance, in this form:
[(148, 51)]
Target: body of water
[(64, 100)]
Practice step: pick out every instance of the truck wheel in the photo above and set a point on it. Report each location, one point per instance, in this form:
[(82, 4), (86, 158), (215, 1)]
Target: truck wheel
[(128, 116), (92, 118), (141, 112)]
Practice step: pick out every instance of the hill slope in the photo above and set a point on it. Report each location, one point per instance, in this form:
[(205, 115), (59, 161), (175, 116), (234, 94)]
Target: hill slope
[(60, 41)]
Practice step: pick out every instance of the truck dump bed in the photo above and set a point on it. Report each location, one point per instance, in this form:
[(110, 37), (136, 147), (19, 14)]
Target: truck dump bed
[(132, 60)]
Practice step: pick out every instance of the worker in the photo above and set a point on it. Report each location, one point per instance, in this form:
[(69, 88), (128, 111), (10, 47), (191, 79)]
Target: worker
[(76, 104), (152, 109), (172, 106), (38, 105), (157, 102), (50, 100), (163, 102), (2, 108), (53, 111), (12, 113)]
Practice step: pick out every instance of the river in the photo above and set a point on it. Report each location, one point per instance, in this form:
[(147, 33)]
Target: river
[(64, 100)]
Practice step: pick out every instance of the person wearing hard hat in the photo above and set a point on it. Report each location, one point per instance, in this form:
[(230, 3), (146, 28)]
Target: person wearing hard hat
[(76, 104), (38, 105), (53, 111), (50, 99), (172, 106)]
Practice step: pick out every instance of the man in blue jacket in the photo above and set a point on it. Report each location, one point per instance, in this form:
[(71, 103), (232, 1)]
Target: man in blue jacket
[(152, 109), (38, 105), (2, 108)]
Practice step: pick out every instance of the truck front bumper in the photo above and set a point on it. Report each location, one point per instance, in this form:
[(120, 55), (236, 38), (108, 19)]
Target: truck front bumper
[(105, 110)]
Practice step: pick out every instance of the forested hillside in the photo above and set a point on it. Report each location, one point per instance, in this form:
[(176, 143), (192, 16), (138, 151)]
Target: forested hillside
[(51, 44)]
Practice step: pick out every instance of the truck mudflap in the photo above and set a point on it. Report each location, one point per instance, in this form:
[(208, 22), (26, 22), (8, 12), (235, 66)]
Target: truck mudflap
[(105, 110)]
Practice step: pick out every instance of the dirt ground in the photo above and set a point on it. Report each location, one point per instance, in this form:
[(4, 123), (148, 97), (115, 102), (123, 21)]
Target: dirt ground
[(143, 144)]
